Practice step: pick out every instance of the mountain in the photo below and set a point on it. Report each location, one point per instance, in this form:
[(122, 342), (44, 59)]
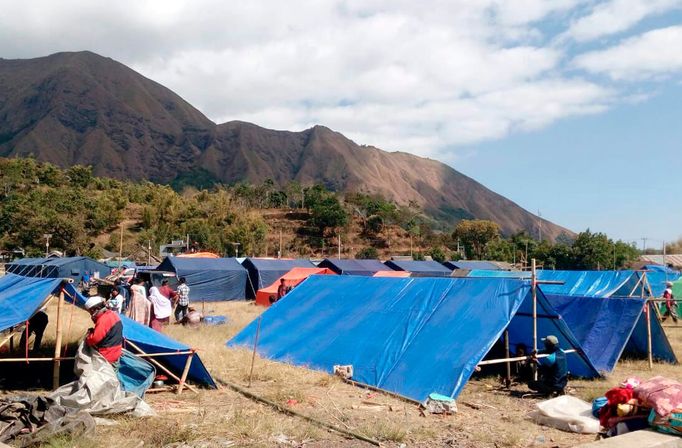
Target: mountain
[(82, 108)]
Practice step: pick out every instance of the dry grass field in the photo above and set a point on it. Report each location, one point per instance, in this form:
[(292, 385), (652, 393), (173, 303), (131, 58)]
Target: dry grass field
[(489, 416)]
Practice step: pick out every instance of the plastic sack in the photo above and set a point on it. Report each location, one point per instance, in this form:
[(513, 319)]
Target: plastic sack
[(566, 413)]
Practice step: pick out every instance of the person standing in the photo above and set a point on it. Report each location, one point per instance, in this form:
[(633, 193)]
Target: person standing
[(115, 302), (670, 303), (166, 290), (36, 325), (140, 306), (281, 289), (182, 299), (107, 335), (552, 369), (161, 309)]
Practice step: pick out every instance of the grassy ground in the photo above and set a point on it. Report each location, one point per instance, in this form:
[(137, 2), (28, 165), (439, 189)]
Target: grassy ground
[(488, 415)]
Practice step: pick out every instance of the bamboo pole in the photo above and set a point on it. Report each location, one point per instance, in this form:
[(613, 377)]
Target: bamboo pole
[(10, 336), (534, 278), (161, 366), (63, 358), (648, 336), (185, 371), (58, 342), (255, 346), (507, 380), (518, 358)]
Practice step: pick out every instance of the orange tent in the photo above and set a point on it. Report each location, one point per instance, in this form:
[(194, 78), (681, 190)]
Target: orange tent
[(199, 255), (291, 278), (391, 274)]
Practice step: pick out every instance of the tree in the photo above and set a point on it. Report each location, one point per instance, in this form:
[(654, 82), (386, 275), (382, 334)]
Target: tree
[(475, 234), (593, 251), (368, 253), (438, 254)]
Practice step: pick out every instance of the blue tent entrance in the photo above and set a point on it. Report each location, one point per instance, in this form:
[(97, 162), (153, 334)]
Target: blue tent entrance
[(210, 279), (410, 336), (264, 271)]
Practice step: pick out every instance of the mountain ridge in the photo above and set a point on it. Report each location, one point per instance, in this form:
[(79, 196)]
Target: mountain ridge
[(82, 108)]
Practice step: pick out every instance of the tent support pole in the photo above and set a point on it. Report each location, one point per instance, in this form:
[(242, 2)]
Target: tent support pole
[(58, 342), (161, 366), (649, 307), (535, 312), (507, 380), (487, 362), (255, 346), (185, 371)]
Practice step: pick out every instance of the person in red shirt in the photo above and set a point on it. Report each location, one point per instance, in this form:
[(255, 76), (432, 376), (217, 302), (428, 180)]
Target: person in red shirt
[(166, 290), (670, 303), (281, 289), (107, 335)]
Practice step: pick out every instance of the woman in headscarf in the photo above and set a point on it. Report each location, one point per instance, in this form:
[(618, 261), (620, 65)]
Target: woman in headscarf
[(140, 306), (161, 309)]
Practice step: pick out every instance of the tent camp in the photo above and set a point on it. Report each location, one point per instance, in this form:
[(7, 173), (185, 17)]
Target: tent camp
[(209, 279), (353, 267), (21, 297), (420, 268), (264, 271), (607, 329), (409, 336), (291, 279), (58, 267)]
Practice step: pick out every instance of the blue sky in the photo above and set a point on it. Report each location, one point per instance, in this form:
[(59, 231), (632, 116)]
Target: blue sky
[(580, 96)]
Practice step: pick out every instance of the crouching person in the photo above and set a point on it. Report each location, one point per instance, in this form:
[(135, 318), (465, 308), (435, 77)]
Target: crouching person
[(107, 335), (552, 369)]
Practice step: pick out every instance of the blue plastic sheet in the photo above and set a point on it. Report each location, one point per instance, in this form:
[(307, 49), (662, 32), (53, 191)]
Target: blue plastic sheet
[(56, 267), (21, 297), (575, 283), (637, 344), (658, 278), (135, 374), (354, 267), (264, 272), (410, 336), (420, 268), (209, 279)]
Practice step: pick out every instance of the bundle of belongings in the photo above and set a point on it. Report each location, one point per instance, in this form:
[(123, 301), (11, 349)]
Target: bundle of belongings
[(636, 404), (74, 407)]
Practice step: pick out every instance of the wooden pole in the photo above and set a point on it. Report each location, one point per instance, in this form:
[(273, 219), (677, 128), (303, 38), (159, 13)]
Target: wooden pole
[(648, 335), (161, 366), (534, 279), (507, 380), (185, 371), (518, 358), (58, 342), (255, 346), (120, 248)]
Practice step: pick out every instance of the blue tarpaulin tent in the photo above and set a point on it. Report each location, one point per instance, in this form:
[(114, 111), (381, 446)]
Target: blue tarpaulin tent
[(353, 267), (21, 297), (575, 283), (56, 267), (410, 336), (471, 265), (606, 329), (658, 278), (263, 272), (210, 279), (420, 268)]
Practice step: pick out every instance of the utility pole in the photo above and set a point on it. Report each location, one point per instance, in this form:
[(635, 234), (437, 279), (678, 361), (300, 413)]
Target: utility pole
[(339, 246), (644, 245), (279, 255), (47, 237), (149, 252)]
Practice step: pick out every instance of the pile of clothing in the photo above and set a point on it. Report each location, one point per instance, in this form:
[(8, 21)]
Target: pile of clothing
[(636, 404)]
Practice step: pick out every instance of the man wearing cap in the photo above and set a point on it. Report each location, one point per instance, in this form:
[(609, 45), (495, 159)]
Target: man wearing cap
[(107, 335), (552, 369), (670, 303)]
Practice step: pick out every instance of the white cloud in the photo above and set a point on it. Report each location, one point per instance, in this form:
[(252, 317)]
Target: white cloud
[(615, 16), (401, 75), (650, 55)]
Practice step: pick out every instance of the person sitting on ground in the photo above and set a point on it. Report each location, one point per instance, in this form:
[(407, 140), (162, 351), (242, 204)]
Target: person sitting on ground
[(670, 303), (552, 369), (523, 370), (36, 325), (182, 300), (193, 318), (281, 289), (107, 335)]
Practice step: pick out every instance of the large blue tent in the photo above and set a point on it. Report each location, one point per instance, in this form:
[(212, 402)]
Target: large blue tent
[(420, 268), (606, 329), (353, 267), (21, 297), (58, 267), (209, 279), (658, 278), (264, 271), (410, 336)]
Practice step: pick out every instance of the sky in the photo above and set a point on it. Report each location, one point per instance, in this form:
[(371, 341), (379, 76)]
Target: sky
[(567, 107)]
